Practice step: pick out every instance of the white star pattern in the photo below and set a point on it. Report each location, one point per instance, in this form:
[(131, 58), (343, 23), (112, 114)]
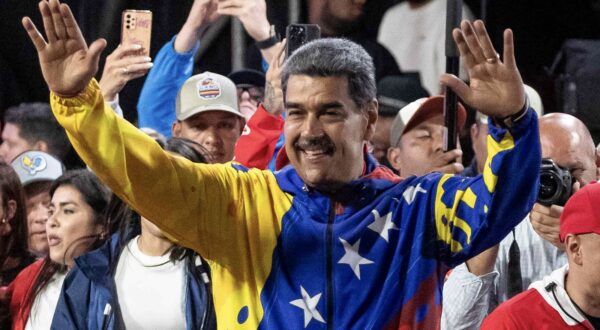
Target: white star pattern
[(309, 305), (352, 258), (411, 192), (382, 225)]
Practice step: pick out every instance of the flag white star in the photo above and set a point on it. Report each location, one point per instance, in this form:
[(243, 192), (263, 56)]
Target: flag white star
[(309, 305), (411, 193), (352, 258), (382, 225)]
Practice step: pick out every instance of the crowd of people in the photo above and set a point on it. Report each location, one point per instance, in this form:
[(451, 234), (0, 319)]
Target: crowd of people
[(316, 193)]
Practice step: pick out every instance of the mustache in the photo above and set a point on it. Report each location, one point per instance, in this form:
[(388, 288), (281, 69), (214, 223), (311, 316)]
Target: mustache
[(321, 142)]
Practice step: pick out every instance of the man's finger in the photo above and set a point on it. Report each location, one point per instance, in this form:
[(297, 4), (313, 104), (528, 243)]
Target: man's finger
[(509, 49), (484, 40), (458, 86), (463, 49), (48, 21), (451, 155), (93, 53), (38, 41), (542, 209), (139, 67), (57, 18), (71, 25), (472, 41)]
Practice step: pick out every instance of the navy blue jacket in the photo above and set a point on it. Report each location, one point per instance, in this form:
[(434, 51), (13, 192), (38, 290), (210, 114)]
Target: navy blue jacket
[(90, 286)]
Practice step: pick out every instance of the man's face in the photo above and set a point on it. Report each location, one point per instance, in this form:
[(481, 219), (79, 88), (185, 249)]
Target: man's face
[(325, 130), (381, 138), (217, 131), (12, 143), (567, 150), (249, 97), (347, 10), (419, 149), (37, 215)]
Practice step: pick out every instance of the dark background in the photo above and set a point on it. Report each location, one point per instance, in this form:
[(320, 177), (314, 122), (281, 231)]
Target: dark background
[(540, 28)]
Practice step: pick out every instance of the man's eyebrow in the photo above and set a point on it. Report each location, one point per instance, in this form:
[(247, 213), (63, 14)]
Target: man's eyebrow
[(295, 105), (329, 105)]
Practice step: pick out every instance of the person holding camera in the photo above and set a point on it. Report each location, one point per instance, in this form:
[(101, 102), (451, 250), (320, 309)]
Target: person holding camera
[(533, 248)]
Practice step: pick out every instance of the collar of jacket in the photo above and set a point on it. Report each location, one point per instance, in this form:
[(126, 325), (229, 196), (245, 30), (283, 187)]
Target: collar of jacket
[(375, 179), (557, 279)]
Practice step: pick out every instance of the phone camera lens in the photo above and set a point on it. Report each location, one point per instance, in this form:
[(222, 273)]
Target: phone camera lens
[(128, 15)]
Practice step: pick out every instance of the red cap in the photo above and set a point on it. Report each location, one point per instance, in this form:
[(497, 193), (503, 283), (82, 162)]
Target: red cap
[(581, 214)]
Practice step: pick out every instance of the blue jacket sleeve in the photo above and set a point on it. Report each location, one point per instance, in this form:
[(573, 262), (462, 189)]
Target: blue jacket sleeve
[(156, 105), (473, 214)]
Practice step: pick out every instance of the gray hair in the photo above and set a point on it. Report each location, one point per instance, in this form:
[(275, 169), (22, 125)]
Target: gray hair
[(339, 58)]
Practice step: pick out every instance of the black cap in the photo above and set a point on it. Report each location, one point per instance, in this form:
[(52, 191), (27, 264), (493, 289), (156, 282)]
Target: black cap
[(395, 92), (248, 77)]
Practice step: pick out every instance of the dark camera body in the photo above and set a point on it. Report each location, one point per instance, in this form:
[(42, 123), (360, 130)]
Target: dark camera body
[(300, 34), (556, 184)]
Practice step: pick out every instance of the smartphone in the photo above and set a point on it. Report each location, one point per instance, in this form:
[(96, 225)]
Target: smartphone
[(136, 28), (300, 34)]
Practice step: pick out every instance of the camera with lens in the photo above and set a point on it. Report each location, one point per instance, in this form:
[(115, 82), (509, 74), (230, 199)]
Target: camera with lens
[(556, 184)]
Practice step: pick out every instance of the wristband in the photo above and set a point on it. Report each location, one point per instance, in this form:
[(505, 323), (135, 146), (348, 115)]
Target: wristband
[(269, 42)]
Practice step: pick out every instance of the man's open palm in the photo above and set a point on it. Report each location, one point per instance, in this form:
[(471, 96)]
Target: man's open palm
[(67, 63)]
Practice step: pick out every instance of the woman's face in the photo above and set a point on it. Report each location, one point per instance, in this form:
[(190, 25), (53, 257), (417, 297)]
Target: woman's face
[(70, 227)]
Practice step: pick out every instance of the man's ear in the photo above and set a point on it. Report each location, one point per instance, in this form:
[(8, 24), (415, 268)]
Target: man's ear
[(242, 124), (393, 156), (176, 129), (371, 113), (40, 146), (573, 248)]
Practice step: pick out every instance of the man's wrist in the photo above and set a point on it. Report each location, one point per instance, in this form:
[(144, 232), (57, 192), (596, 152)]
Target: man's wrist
[(269, 41), (511, 120)]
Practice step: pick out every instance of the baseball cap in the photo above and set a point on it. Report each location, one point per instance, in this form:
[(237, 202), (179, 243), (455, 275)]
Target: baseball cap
[(581, 215), (395, 92), (535, 102), (206, 92), (417, 112), (35, 166), (248, 77)]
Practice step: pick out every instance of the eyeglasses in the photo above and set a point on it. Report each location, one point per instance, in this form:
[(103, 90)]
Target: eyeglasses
[(256, 93)]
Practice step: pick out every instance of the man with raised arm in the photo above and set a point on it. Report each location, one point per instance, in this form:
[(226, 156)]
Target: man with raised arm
[(333, 240)]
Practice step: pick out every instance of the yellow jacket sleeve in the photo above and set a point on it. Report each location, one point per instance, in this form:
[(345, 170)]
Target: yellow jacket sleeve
[(213, 209)]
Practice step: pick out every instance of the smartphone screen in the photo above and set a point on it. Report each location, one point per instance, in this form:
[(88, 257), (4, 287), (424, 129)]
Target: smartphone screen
[(300, 34), (136, 28)]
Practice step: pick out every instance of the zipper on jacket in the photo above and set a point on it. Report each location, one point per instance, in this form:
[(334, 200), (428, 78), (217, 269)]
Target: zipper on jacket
[(106, 316), (329, 252)]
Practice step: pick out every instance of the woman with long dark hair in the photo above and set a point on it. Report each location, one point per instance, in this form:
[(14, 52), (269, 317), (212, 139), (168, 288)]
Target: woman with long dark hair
[(75, 225), (139, 279), (14, 255)]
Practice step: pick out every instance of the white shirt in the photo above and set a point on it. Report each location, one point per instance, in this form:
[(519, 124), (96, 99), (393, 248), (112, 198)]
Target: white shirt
[(416, 39), (44, 305), (151, 290)]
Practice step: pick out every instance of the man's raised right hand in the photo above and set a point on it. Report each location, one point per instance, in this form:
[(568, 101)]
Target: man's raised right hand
[(67, 63)]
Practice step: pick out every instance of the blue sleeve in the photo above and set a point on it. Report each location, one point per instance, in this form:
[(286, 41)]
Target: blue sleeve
[(156, 105), (473, 214)]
